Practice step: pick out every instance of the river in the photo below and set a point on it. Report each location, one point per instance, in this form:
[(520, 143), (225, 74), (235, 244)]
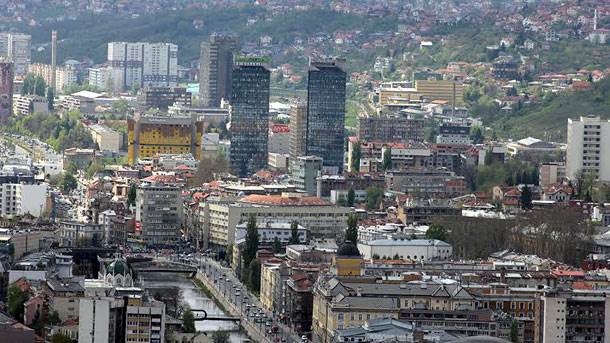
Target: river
[(192, 296)]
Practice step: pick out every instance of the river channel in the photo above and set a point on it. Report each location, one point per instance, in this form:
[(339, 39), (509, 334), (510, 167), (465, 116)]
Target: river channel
[(192, 296)]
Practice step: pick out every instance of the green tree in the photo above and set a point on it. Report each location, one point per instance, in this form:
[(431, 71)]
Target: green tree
[(93, 169), (68, 183), (351, 197), (188, 321), (252, 241), (294, 233), (351, 233), (220, 337), (254, 276), (131, 196), (355, 165), (514, 331), (526, 198), (276, 246), (50, 99), (374, 196), (436, 231), (476, 135), (387, 159), (53, 318), (15, 300), (60, 338)]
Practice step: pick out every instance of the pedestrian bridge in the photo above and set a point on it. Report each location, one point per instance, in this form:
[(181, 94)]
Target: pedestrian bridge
[(163, 267)]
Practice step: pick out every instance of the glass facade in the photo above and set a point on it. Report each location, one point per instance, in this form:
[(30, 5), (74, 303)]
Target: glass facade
[(326, 112), (249, 118)]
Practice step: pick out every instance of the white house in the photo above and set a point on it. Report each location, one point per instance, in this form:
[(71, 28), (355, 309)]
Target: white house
[(406, 249)]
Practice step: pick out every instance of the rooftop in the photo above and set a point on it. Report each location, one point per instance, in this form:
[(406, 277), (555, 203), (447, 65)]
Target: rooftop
[(277, 200)]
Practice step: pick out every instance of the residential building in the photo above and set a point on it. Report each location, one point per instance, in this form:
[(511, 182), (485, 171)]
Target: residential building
[(406, 249), (163, 98), (249, 115), (505, 68), (298, 130), (326, 112), (64, 297), (453, 134), (424, 212), (274, 274), (304, 173), (6, 89), (279, 139), (278, 162), (269, 231), (17, 48), (13, 331), (551, 173), (106, 138), (429, 183), (24, 105), (158, 213), (386, 126), (20, 193), (212, 116), (23, 242), (299, 301), (64, 76), (327, 184), (216, 68), (142, 65), (588, 148), (73, 233), (82, 158), (101, 78), (401, 156), (221, 215), (150, 135)]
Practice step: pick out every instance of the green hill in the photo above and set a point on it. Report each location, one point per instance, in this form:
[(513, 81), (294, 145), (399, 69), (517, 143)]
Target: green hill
[(549, 118)]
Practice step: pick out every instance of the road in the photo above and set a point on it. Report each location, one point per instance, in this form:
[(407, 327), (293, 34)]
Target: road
[(251, 308)]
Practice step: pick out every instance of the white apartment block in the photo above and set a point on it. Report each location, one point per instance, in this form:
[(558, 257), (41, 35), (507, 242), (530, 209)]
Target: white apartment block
[(18, 199), (17, 48), (64, 76), (28, 104), (100, 77), (142, 65), (588, 148), (106, 138)]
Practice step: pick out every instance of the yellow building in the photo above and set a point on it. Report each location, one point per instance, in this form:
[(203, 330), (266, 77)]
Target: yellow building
[(397, 95), (441, 90), (151, 135)]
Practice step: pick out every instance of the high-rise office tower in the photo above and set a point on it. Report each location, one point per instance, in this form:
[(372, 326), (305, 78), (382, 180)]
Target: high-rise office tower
[(17, 48), (142, 65), (298, 130), (6, 89), (216, 66), (249, 115), (326, 112)]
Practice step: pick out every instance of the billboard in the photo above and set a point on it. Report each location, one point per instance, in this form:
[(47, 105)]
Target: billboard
[(6, 89)]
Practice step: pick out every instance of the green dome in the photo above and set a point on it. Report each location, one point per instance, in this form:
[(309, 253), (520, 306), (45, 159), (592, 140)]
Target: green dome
[(118, 267)]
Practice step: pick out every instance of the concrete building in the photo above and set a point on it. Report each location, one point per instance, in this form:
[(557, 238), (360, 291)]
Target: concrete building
[(304, 173), (106, 138), (221, 215), (269, 231), (249, 115), (406, 249), (453, 134), (6, 89), (64, 295), (163, 98), (17, 48), (62, 76), (158, 214), (551, 173), (298, 130), (28, 104), (73, 233), (279, 139), (386, 126), (150, 135), (101, 78), (326, 112), (588, 148), (532, 147), (142, 65), (428, 183), (447, 90), (20, 193), (216, 68)]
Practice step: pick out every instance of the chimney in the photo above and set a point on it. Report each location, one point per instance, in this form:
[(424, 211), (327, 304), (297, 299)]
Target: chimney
[(53, 58)]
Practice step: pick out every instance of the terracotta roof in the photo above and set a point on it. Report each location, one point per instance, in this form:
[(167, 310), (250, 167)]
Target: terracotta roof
[(277, 200)]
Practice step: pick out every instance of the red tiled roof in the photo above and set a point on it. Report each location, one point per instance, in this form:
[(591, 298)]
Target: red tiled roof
[(277, 200)]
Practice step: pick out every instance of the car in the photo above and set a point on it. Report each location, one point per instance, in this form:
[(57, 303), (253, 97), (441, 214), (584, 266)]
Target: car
[(304, 338), (268, 324)]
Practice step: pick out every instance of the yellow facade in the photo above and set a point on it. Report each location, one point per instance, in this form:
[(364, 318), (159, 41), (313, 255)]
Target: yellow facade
[(348, 266), (397, 95), (441, 90)]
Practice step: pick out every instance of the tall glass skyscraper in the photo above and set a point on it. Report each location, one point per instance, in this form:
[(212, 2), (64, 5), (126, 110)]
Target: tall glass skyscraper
[(216, 65), (326, 112), (249, 115)]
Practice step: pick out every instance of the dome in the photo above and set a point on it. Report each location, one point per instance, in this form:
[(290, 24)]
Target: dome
[(118, 267), (348, 249)]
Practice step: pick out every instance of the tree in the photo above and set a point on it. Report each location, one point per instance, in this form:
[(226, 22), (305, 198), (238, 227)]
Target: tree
[(526, 198), (294, 233), (209, 167), (436, 231), (60, 338), (131, 196), (355, 163), (50, 99), (476, 135), (220, 337), (15, 300), (276, 246), (252, 241), (514, 331), (374, 195), (53, 318), (351, 197), (387, 159), (254, 276), (68, 183), (351, 233), (188, 321)]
